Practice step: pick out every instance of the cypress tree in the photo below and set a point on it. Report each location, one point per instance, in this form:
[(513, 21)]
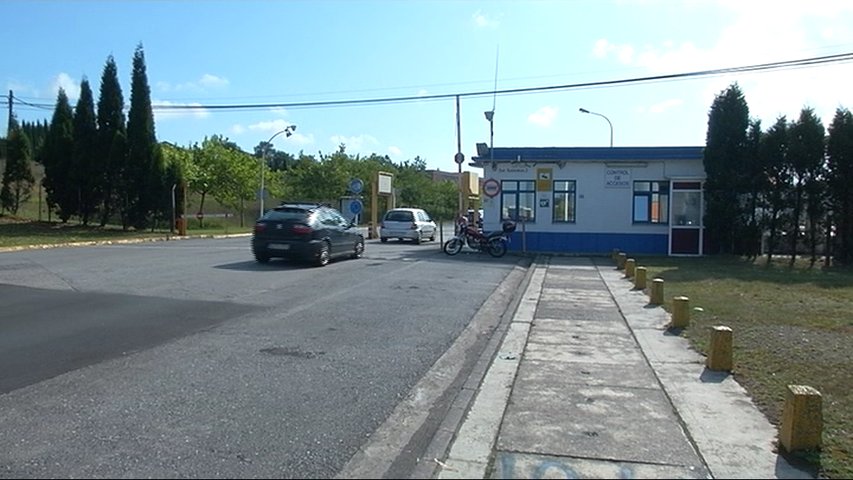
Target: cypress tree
[(144, 174), (111, 139), (840, 170), (725, 151), (17, 177), (57, 158), (86, 167)]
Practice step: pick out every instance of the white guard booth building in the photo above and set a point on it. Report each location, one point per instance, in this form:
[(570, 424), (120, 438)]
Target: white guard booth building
[(591, 200)]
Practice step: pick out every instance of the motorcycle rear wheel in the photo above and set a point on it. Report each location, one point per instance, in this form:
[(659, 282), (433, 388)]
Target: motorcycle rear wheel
[(452, 246), (497, 247)]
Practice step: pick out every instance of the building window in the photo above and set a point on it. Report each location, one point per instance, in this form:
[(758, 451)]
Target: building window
[(517, 200), (564, 201), (651, 202)]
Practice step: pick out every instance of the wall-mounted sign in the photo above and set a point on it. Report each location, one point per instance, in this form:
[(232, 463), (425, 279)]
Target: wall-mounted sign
[(491, 188), (617, 178), (543, 179)]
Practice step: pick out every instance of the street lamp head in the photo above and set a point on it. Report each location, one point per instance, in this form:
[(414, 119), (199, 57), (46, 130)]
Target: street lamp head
[(583, 110)]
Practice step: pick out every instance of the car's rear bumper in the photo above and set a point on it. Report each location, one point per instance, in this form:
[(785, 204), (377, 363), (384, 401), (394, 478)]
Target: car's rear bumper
[(286, 249), (408, 233)]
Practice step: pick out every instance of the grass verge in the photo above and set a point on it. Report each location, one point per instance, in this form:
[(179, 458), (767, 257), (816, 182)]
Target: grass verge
[(791, 325)]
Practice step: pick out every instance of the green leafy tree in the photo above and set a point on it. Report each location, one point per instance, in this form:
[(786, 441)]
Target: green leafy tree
[(112, 142), (180, 169), (143, 184), (806, 158), (17, 177), (724, 154), (57, 159), (86, 173), (276, 160), (840, 170)]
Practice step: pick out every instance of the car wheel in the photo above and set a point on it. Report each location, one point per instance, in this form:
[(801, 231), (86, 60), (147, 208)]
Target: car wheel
[(323, 255), (418, 239), (358, 250), (432, 237), (383, 239), (261, 257)]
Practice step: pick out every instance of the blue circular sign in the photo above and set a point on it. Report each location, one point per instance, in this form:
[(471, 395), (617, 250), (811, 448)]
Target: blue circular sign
[(356, 206), (356, 185)]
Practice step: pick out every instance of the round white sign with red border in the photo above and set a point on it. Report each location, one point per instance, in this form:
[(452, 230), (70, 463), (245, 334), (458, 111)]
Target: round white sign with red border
[(491, 188)]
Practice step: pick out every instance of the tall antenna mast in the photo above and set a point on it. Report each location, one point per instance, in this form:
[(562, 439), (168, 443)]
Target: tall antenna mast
[(490, 115), (495, 96)]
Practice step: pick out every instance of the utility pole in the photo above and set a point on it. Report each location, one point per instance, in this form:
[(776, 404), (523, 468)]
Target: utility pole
[(460, 157)]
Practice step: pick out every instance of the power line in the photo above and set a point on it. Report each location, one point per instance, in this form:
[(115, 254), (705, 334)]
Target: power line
[(789, 64)]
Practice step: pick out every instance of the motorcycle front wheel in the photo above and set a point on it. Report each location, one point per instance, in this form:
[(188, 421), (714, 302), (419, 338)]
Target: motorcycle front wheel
[(452, 246), (497, 247)]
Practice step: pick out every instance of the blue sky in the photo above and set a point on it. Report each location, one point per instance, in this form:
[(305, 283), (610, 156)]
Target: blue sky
[(285, 52)]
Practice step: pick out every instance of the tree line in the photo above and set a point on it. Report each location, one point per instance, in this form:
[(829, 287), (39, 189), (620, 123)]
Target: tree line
[(100, 167), (785, 188)]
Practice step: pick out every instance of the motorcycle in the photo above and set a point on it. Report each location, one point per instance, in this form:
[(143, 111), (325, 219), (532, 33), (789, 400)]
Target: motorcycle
[(494, 243)]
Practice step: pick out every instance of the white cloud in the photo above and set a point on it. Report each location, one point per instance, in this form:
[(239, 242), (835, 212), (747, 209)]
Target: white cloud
[(271, 126), (543, 117), (395, 150), (205, 83), (356, 143), (238, 129), (168, 113), (64, 81), (481, 20), (666, 105), (208, 80)]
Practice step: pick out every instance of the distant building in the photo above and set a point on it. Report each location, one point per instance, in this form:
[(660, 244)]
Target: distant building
[(591, 200)]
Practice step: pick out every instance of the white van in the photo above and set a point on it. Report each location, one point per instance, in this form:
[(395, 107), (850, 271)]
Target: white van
[(407, 224)]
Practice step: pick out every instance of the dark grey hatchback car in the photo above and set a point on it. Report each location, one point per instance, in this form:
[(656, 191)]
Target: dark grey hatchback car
[(305, 231)]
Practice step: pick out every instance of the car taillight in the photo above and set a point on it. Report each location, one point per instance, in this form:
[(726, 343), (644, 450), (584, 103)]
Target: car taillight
[(414, 226), (260, 227), (302, 229)]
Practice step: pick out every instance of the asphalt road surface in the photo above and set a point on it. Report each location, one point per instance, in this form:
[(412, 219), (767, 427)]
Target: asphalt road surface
[(188, 359)]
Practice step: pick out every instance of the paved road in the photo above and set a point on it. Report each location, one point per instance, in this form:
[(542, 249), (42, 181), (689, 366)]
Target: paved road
[(187, 359)]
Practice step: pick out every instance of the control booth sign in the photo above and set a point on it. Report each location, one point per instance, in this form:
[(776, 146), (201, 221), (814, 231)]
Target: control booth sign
[(617, 178)]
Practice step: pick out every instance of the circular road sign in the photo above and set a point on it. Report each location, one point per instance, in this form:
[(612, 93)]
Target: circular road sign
[(199, 215), (356, 207), (491, 188), (459, 158), (356, 186)]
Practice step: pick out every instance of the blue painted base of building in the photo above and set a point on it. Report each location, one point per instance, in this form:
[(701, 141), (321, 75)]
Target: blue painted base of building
[(590, 243)]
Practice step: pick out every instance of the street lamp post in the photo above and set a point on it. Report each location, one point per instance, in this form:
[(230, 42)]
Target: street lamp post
[(288, 131), (583, 110), (490, 116)]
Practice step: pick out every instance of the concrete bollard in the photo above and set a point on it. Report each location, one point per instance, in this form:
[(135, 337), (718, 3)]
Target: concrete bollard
[(720, 349), (640, 278), (620, 263), (802, 419), (656, 292), (630, 266), (680, 312)]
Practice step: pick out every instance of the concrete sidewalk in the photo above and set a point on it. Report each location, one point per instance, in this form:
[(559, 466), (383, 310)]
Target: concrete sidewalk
[(588, 383)]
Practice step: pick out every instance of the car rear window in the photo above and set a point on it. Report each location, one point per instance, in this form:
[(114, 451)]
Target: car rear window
[(399, 216), (284, 213)]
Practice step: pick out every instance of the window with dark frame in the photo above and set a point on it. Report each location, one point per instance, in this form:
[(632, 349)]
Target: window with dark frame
[(651, 202), (564, 201), (518, 199)]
